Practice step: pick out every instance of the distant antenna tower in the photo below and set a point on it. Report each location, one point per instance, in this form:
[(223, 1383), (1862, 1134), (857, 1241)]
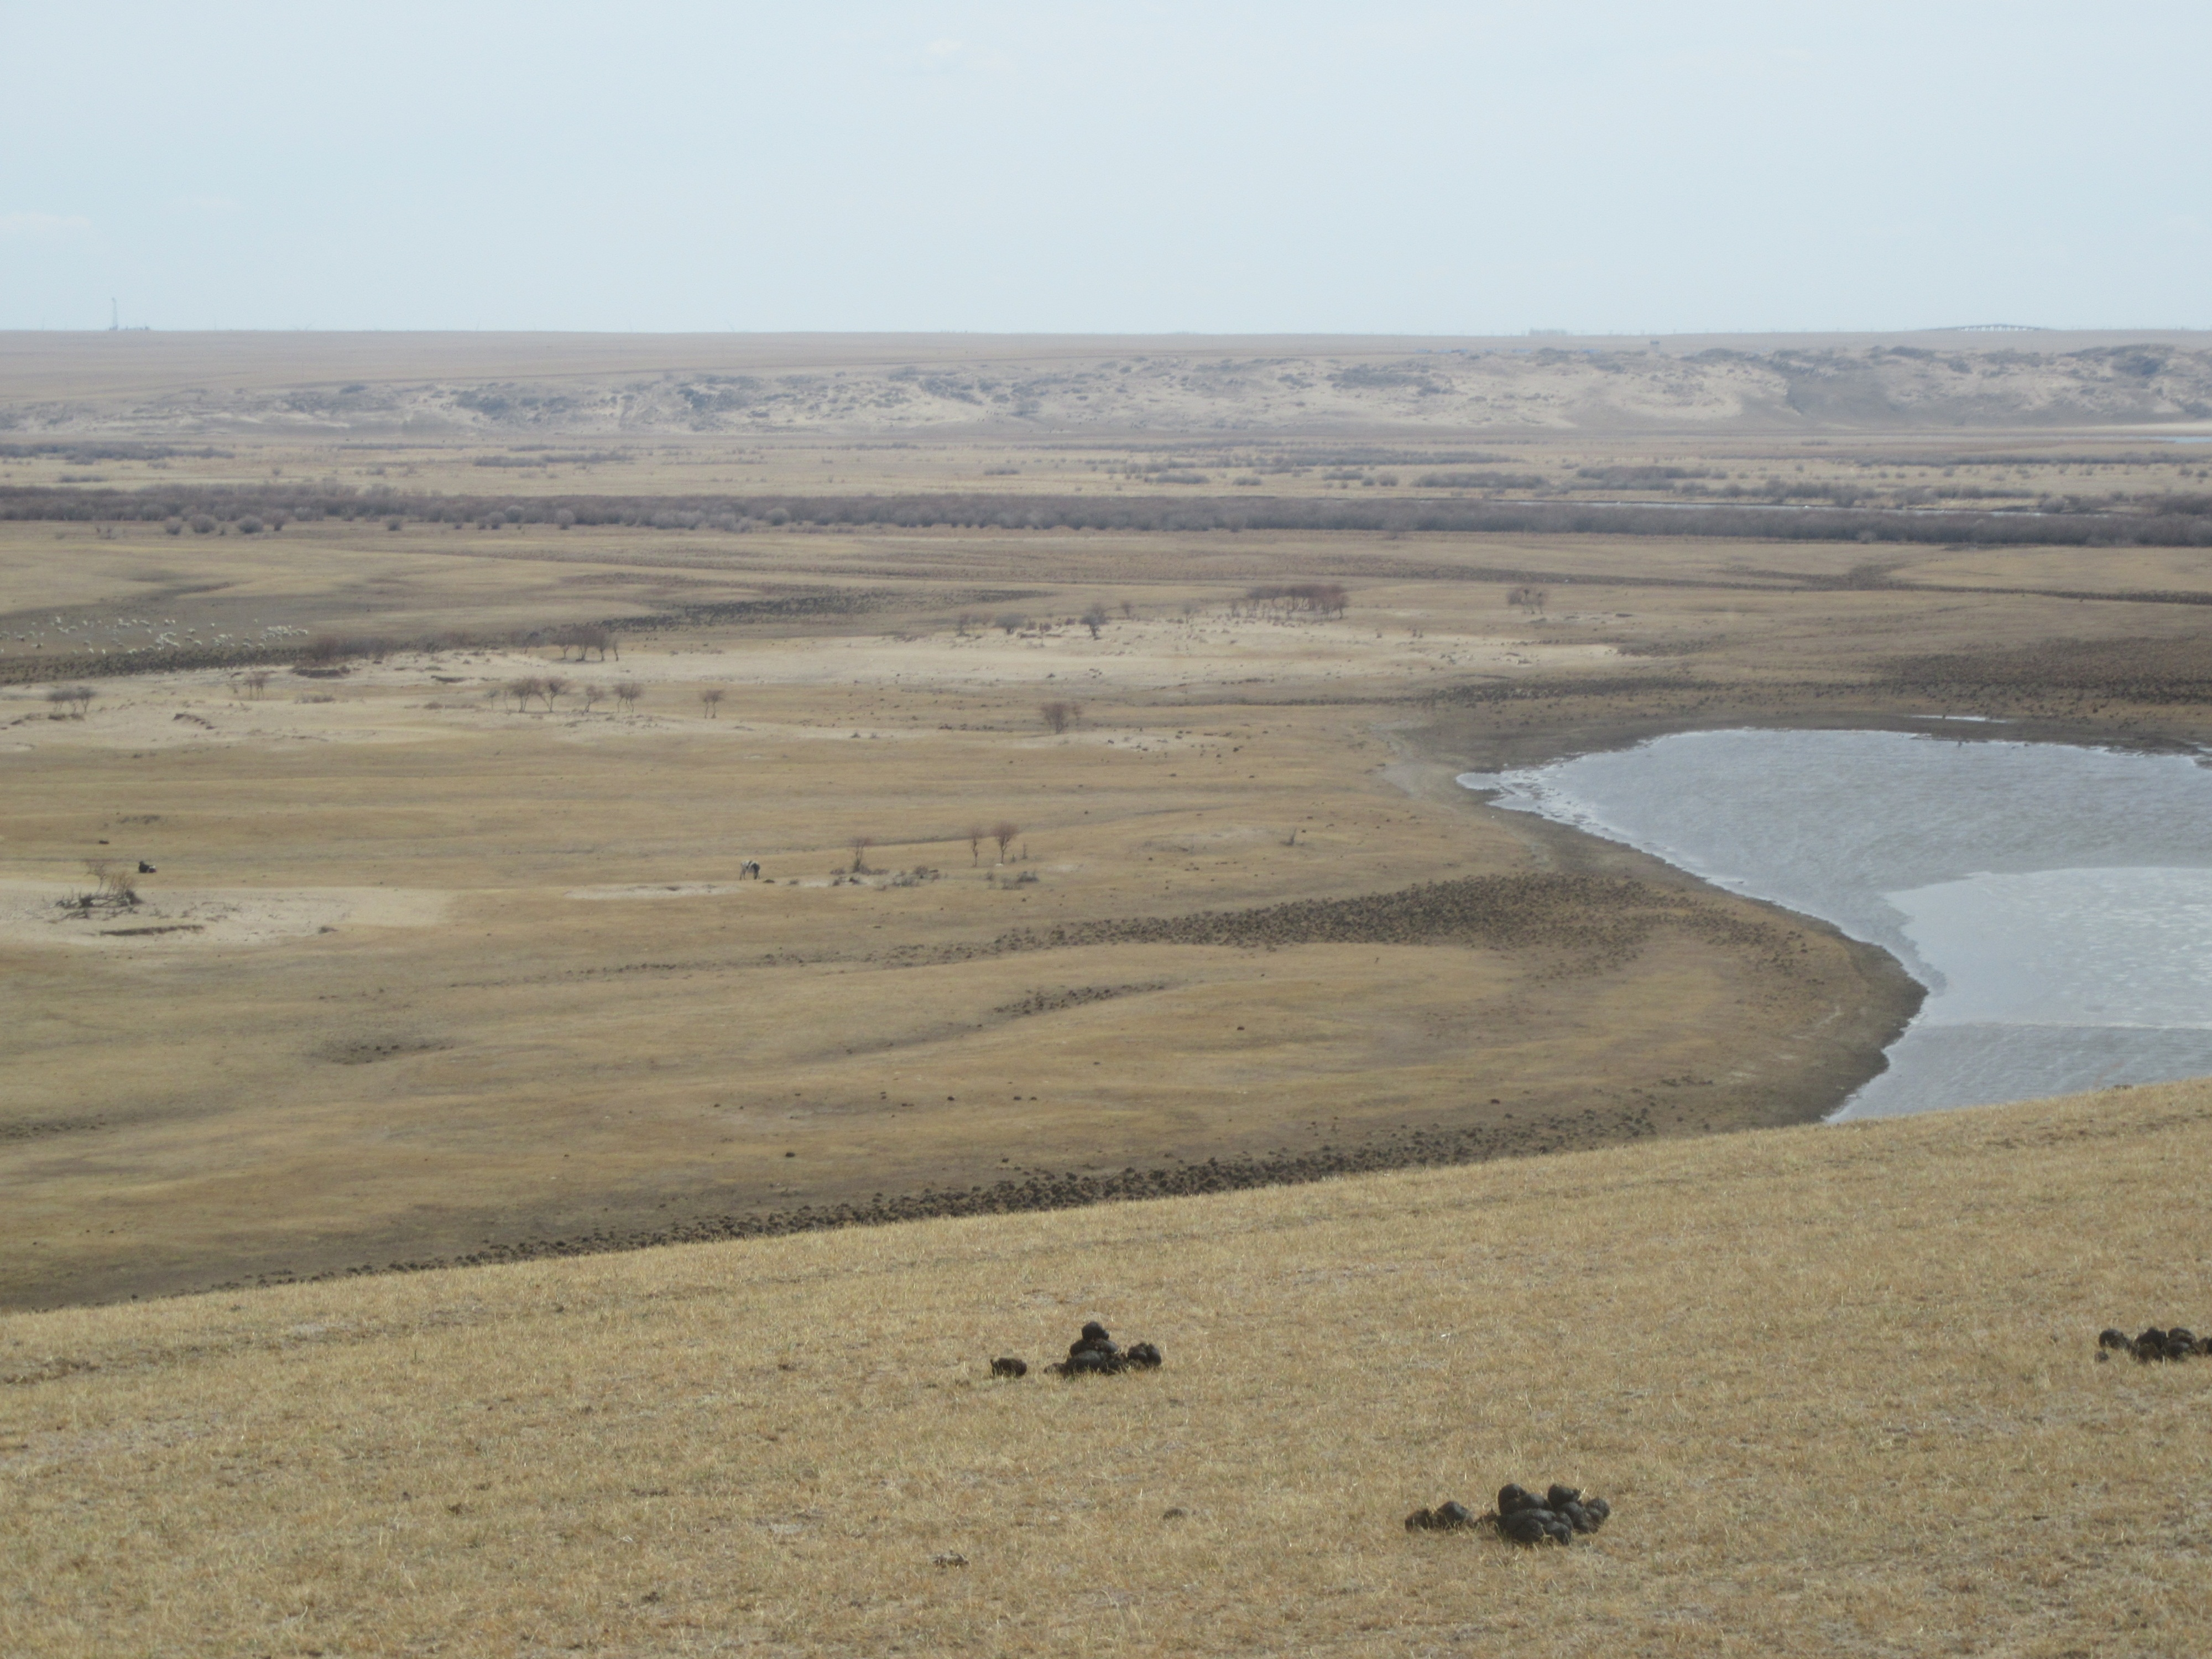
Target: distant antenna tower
[(114, 317)]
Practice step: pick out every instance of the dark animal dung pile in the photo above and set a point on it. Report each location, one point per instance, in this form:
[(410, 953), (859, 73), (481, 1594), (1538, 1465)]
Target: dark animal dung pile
[(2174, 1342), (1095, 1353), (1523, 1517)]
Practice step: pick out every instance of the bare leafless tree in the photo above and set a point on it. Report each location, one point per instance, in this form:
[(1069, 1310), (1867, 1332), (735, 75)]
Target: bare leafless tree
[(257, 682), (1004, 833), (76, 699), (552, 686), (584, 638), (1094, 619), (976, 834), (627, 692), (114, 881), (859, 844), (1060, 715), (710, 699), (588, 694)]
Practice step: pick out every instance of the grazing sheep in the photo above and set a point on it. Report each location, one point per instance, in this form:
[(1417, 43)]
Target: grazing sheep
[(1095, 1353), (1445, 1517), (1534, 1527), (1521, 1516), (2155, 1342)]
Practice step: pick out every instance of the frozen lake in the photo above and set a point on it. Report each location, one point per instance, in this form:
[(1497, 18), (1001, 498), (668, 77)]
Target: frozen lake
[(2056, 901)]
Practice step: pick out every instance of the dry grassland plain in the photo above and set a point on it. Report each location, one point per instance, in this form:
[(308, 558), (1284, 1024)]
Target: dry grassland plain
[(431, 969), (436, 970), (1840, 1385)]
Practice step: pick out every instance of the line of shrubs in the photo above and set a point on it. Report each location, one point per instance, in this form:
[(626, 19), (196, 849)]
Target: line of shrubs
[(2178, 523)]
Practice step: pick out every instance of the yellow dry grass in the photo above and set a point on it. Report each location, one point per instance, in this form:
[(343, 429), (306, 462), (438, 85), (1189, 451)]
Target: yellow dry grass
[(541, 1052), (449, 973), (1839, 1385)]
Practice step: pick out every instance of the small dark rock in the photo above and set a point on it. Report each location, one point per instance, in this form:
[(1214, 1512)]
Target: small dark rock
[(2109, 1337), (1010, 1368), (1144, 1356), (1421, 1521), (1559, 1497), (1454, 1515), (1512, 1500)]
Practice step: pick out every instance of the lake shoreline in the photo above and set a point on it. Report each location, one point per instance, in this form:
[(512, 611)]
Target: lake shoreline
[(2040, 886), (1458, 732), (1597, 717), (1855, 1039)]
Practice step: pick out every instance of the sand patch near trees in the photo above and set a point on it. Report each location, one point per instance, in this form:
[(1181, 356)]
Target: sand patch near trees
[(658, 889), (184, 920)]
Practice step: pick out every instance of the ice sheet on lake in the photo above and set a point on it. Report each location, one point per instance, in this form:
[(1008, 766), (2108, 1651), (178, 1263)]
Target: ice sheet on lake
[(2055, 900)]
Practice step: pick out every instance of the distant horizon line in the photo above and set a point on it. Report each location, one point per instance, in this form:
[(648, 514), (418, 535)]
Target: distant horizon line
[(1533, 334)]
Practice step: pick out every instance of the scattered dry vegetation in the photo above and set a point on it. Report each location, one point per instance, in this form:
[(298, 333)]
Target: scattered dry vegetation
[(454, 958), (1254, 681), (1257, 728)]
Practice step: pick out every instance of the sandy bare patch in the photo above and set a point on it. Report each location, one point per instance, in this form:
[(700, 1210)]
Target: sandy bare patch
[(1207, 650), (657, 890), (1145, 654), (39, 913)]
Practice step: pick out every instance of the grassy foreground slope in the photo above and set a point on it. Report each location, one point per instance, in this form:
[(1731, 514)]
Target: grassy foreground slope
[(1838, 1383)]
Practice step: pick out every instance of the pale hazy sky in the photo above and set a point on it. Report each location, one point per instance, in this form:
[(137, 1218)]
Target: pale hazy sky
[(1631, 165)]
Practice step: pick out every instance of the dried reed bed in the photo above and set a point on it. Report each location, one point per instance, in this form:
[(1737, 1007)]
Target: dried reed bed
[(1838, 1383)]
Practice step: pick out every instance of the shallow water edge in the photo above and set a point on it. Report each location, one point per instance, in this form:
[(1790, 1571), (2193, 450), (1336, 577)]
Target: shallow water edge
[(2055, 900)]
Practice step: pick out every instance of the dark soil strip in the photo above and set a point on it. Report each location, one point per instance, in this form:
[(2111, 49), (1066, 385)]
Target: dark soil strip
[(40, 1128), (1412, 1150), (1577, 912), (2172, 521)]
